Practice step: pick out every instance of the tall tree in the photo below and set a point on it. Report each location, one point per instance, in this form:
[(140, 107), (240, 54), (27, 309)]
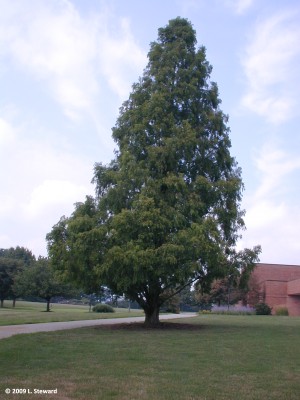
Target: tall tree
[(168, 206)]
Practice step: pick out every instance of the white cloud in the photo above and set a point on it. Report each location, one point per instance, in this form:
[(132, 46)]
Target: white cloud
[(5, 241), (270, 65), (264, 212), (274, 165), (53, 44), (69, 51), (52, 193), (40, 182), (273, 216), (117, 57), (277, 232), (7, 205), (188, 6), (31, 161), (6, 132), (82, 60), (239, 6), (242, 5)]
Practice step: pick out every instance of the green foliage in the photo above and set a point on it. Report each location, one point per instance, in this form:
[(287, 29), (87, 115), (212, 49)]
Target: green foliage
[(19, 253), (282, 311), (103, 308), (73, 244), (263, 309), (39, 280), (167, 210), (228, 290), (9, 268), (12, 262), (171, 306)]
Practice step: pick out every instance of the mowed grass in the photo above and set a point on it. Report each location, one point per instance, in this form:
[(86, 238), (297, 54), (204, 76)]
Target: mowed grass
[(33, 313), (221, 358)]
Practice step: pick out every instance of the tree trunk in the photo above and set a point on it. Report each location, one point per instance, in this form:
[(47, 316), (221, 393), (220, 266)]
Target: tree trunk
[(14, 303), (2, 303), (152, 316), (48, 306)]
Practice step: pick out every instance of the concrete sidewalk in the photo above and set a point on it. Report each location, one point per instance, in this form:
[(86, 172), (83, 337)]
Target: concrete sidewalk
[(11, 330)]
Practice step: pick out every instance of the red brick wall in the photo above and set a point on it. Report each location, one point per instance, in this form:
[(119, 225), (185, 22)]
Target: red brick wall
[(273, 281), (275, 293), (294, 287), (293, 305), (277, 272)]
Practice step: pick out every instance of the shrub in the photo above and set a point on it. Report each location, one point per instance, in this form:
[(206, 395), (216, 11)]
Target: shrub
[(282, 311), (103, 308), (262, 309), (233, 310), (204, 312)]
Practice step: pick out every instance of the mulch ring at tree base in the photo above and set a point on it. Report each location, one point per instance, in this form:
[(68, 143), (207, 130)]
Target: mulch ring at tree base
[(140, 326)]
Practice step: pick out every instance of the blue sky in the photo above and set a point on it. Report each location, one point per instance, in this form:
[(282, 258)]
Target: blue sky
[(66, 66)]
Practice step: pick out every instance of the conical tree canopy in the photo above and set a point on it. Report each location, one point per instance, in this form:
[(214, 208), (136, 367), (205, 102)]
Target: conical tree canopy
[(168, 205)]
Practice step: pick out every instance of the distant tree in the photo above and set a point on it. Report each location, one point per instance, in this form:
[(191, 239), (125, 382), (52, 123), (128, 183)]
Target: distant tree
[(236, 285), (254, 295), (21, 258), (39, 280), (73, 256), (19, 253), (220, 292), (9, 268), (187, 296), (167, 209)]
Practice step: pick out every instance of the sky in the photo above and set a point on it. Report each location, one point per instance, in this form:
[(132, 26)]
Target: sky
[(66, 67)]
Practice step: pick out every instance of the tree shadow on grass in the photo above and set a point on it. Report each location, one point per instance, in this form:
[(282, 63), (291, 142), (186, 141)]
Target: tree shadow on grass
[(139, 326)]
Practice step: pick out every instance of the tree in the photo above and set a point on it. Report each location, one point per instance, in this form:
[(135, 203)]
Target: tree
[(235, 285), (19, 253), (254, 294), (223, 291), (9, 268), (13, 260), (74, 251), (167, 208), (39, 280)]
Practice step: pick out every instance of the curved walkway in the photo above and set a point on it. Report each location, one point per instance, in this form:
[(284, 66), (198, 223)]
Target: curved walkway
[(11, 330)]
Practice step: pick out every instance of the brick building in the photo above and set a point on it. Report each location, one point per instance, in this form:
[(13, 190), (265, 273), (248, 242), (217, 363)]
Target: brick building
[(277, 285)]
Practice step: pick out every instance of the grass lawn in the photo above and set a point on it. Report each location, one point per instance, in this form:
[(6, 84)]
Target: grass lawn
[(33, 313), (222, 358)]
